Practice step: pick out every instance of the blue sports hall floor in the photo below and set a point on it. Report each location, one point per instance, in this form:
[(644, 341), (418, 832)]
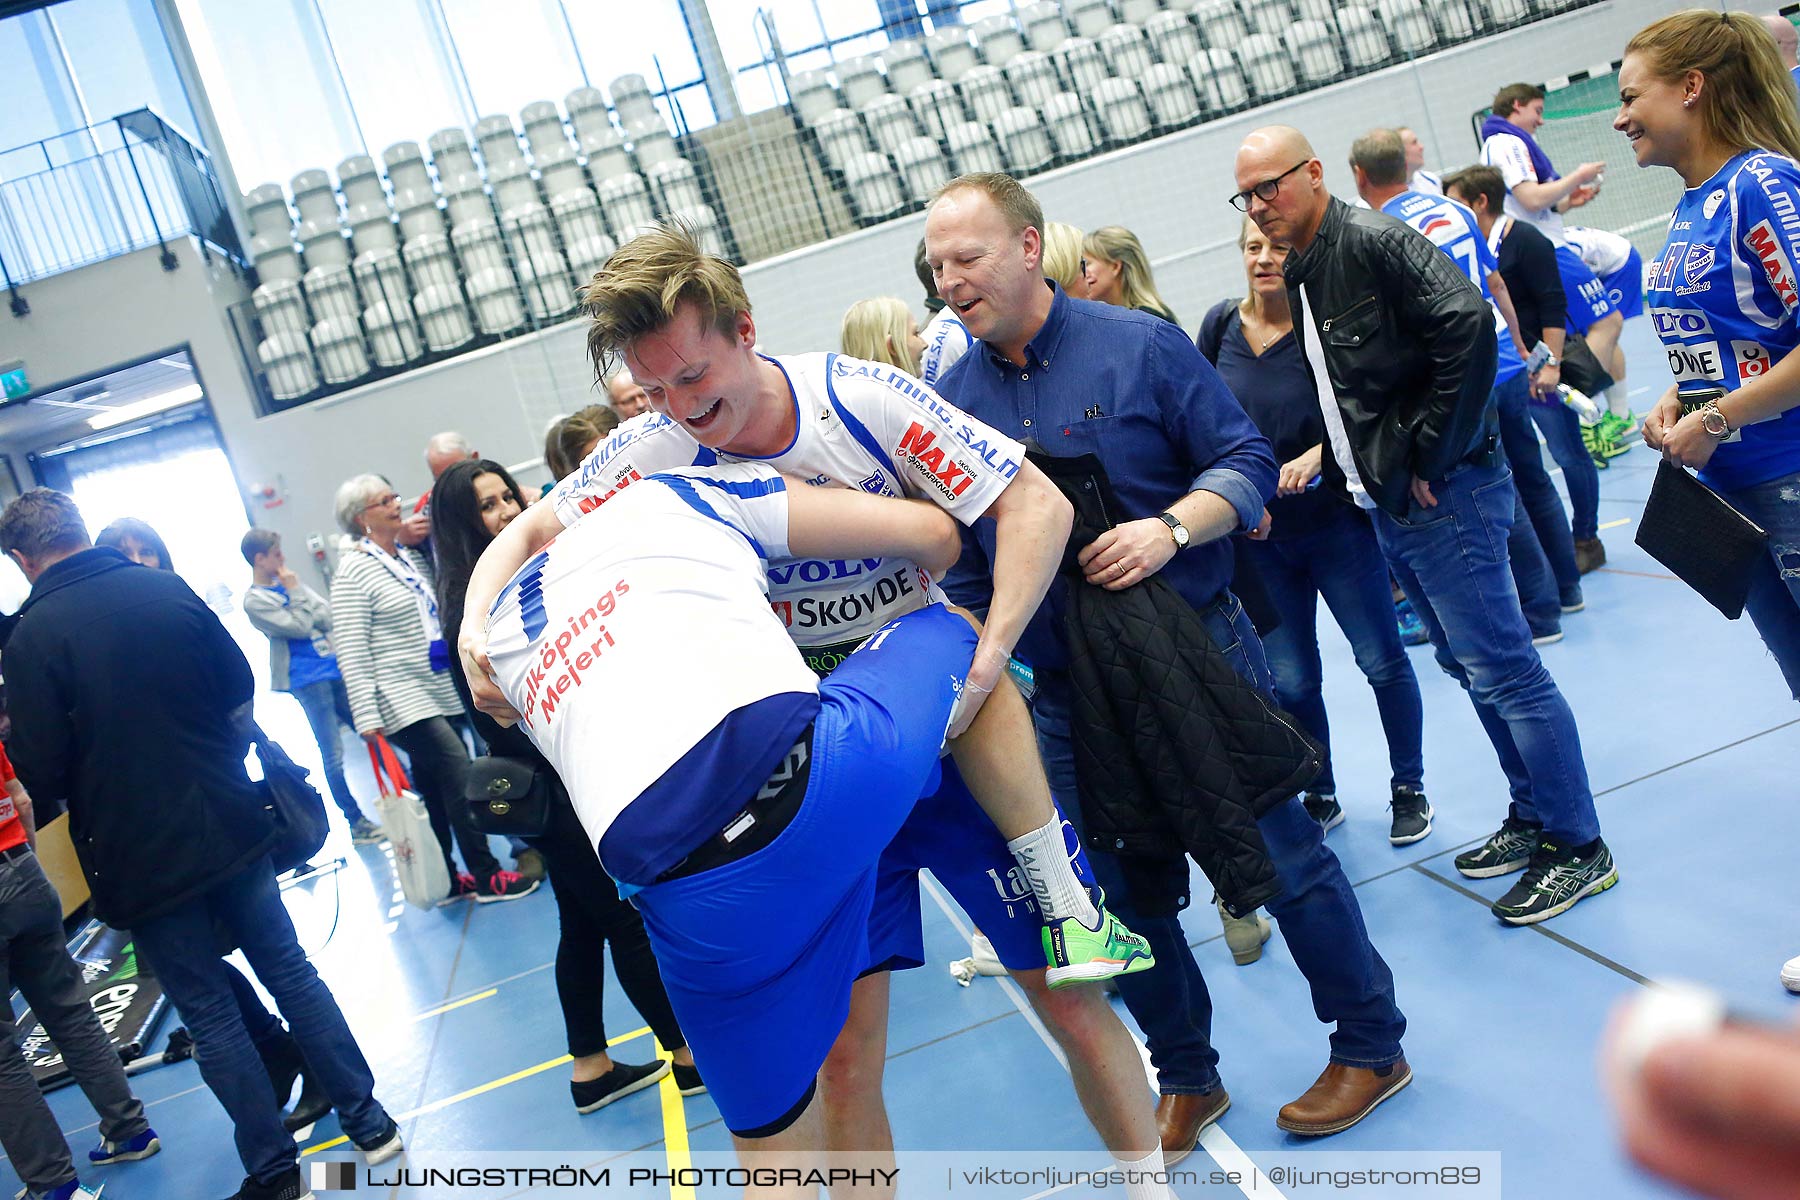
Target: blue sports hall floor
[(1690, 741)]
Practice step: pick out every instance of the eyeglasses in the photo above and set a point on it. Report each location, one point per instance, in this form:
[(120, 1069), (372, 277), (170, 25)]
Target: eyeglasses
[(390, 498), (1266, 191)]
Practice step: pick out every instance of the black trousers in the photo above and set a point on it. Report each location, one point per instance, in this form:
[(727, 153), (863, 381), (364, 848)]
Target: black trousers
[(592, 915), (439, 763)]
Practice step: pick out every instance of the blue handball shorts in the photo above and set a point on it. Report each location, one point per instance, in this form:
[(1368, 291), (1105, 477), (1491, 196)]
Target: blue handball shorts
[(950, 836), (1625, 286), (759, 955), (1589, 302)]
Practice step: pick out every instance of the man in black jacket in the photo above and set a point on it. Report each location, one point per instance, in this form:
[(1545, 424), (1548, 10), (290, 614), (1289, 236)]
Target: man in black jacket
[(131, 703), (1401, 346)]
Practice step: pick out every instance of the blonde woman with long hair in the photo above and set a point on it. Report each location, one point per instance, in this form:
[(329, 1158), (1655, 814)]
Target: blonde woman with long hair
[(1062, 258), (882, 330), (1706, 95), (1118, 272)]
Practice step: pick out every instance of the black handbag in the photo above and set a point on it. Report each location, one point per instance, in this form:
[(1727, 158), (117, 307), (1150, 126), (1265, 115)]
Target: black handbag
[(1581, 369), (509, 796), (1696, 533), (294, 804)]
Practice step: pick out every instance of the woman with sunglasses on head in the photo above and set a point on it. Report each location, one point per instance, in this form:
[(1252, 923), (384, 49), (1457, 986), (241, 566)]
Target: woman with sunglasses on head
[(390, 649), (470, 504), (1706, 94)]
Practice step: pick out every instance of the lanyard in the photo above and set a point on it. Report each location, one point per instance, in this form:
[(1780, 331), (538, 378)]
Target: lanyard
[(402, 570)]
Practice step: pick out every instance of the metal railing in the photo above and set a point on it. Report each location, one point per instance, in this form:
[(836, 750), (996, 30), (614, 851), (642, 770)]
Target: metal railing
[(96, 193)]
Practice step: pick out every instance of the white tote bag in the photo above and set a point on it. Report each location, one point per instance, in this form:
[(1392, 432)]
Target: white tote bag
[(418, 857)]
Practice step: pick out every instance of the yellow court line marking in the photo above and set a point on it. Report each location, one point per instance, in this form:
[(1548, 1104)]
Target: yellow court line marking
[(1617, 523), (444, 1008), (501, 1082), (675, 1132)]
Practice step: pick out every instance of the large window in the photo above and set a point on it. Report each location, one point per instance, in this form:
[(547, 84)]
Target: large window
[(655, 38), (298, 84), (400, 88), (268, 73), (514, 53)]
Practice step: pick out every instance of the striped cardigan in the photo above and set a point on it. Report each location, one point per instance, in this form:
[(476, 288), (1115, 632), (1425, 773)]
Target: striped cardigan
[(381, 647)]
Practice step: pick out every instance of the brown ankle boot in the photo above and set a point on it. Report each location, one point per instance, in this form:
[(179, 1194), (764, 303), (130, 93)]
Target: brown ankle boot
[(1181, 1119), (1341, 1097)]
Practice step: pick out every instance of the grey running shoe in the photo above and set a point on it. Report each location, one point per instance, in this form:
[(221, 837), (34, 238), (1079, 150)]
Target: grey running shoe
[(1555, 881)]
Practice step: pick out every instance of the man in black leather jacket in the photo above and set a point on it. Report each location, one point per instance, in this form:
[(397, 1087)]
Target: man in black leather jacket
[(1401, 346)]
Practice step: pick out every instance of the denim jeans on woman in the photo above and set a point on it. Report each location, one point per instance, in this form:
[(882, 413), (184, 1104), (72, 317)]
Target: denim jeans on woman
[(1452, 562), (1317, 909), (1774, 604), (1339, 559), (1536, 491), (1562, 435), (183, 947)]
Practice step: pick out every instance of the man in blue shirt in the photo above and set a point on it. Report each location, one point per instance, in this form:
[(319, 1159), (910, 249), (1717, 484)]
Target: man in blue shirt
[(1189, 468)]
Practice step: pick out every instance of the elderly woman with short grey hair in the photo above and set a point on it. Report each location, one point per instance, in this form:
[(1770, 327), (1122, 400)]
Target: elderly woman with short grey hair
[(391, 652)]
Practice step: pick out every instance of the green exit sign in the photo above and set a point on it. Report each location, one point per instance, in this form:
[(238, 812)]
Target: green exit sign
[(12, 375)]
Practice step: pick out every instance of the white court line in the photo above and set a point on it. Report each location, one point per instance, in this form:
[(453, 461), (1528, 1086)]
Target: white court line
[(1214, 1141)]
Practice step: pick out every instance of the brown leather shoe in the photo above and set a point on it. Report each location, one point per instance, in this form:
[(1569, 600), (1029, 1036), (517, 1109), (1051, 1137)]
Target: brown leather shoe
[(1341, 1097), (1181, 1119)]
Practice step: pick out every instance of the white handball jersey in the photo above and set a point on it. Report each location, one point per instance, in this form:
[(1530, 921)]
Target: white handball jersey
[(641, 627), (946, 340), (1600, 250), (861, 425), (1512, 158)]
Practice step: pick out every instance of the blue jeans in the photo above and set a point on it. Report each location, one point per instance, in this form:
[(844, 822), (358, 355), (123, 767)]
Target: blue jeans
[(1562, 434), (1317, 909), (183, 946), (1341, 561), (1774, 603), (35, 959), (1549, 520), (1452, 562), (327, 706)]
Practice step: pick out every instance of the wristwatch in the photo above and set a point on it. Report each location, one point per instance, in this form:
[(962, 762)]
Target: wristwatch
[(1176, 528), (1714, 421), (1552, 361)]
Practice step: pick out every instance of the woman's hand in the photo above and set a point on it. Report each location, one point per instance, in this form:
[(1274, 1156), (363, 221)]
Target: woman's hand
[(1661, 419), (1688, 444), (1296, 475), (1545, 382), (374, 735)]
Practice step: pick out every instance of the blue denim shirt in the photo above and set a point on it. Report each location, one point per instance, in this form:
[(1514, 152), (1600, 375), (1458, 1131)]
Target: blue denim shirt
[(1132, 390)]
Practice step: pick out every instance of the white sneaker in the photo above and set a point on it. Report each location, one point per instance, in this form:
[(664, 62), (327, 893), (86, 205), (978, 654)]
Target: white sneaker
[(82, 1192), (981, 953), (1790, 975)]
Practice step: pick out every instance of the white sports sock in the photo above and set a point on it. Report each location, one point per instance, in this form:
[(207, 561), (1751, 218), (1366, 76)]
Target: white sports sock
[(1145, 1188), (1044, 858), (1617, 402)]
